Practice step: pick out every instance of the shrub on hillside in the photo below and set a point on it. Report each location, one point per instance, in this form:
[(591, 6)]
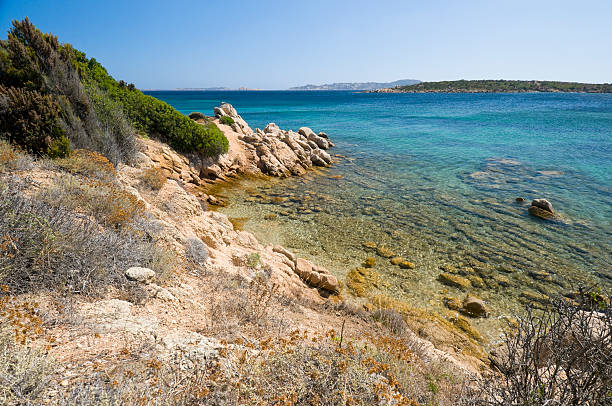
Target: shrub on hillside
[(227, 120), (150, 115), (31, 120), (37, 62), (196, 115), (561, 356), (48, 246)]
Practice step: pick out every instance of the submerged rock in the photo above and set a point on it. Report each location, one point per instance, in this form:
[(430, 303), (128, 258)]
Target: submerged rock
[(385, 252), (406, 265), (541, 208), (455, 281), (474, 306)]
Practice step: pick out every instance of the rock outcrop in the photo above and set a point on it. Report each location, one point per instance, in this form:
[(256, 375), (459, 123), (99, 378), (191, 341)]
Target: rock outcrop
[(541, 208), (273, 151)]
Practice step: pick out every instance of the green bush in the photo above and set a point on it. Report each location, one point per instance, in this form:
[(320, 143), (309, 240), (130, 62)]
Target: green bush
[(31, 120), (150, 115), (196, 115), (227, 120)]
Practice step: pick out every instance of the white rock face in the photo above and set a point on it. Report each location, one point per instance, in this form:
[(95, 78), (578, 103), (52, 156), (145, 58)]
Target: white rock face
[(280, 152), (139, 274)]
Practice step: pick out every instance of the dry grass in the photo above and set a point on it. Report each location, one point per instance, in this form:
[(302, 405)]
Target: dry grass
[(153, 178)]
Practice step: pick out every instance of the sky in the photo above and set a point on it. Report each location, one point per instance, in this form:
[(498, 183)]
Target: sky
[(278, 44)]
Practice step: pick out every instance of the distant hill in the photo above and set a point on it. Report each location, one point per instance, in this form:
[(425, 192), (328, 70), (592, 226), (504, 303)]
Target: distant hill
[(357, 85), (498, 86)]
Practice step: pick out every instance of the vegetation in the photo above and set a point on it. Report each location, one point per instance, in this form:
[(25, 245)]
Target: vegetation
[(196, 115), (52, 95), (227, 120), (60, 237), (561, 356), (503, 86)]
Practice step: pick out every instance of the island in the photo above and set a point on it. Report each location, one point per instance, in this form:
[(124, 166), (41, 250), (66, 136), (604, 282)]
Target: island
[(498, 86)]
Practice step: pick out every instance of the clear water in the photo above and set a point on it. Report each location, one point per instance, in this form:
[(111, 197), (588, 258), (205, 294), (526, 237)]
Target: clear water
[(434, 177)]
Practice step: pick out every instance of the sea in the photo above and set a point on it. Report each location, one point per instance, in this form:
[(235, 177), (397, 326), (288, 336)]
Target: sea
[(435, 178)]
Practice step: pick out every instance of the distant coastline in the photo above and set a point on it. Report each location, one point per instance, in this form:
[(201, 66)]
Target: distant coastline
[(498, 86)]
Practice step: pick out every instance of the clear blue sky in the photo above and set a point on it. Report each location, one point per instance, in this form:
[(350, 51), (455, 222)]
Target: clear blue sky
[(278, 44)]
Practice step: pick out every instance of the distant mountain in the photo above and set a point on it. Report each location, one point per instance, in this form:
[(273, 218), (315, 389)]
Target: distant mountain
[(357, 85)]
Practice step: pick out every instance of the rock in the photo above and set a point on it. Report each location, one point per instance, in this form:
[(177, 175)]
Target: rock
[(464, 325), (541, 208), (539, 212), (285, 252), (475, 307), (452, 303), (369, 262), (369, 244), (323, 135), (139, 274), (519, 200), (316, 276), (211, 172), (321, 142), (406, 265), (543, 204), (271, 128), (455, 281), (385, 252), (270, 216), (306, 132), (397, 260)]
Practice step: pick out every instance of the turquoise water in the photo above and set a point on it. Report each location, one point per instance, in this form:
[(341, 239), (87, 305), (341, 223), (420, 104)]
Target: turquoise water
[(434, 177)]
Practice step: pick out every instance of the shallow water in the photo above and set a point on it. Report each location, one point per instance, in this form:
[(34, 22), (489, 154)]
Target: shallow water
[(434, 177)]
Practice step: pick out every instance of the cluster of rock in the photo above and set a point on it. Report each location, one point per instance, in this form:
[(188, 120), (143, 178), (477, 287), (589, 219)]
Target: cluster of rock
[(280, 152), (312, 274)]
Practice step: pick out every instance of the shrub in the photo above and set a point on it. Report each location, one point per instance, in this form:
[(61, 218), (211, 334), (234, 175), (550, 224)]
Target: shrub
[(47, 246), (106, 201), (88, 163), (36, 62), (196, 115), (154, 178), (12, 159), (24, 372), (31, 120), (227, 120), (560, 356)]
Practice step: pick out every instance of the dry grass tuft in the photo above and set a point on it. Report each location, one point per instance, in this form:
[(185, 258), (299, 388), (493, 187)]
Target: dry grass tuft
[(153, 178)]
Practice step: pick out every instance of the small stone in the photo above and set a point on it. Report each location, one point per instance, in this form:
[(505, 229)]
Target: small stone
[(541, 276), (477, 281), (370, 244), (454, 280), (369, 262), (396, 260), (140, 274), (284, 213), (406, 265), (452, 303), (385, 252), (520, 200), (270, 216), (474, 306)]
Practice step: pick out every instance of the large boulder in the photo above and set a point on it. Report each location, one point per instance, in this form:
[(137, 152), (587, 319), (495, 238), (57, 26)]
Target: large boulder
[(541, 208), (316, 276), (475, 307)]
